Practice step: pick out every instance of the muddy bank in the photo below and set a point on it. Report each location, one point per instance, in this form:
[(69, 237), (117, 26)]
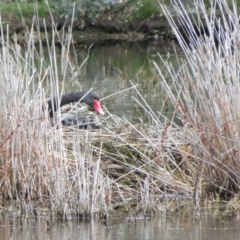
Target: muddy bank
[(102, 27), (90, 24)]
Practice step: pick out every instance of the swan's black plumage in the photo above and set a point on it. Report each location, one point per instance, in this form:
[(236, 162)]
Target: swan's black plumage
[(87, 97), (90, 98), (80, 121)]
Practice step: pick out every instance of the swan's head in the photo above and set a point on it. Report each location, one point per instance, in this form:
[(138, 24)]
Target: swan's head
[(97, 106), (93, 100)]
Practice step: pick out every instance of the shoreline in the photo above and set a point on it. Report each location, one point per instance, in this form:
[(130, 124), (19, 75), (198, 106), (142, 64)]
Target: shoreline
[(100, 29)]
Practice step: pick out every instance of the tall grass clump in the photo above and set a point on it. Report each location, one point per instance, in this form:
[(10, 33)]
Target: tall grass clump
[(205, 92), (43, 166)]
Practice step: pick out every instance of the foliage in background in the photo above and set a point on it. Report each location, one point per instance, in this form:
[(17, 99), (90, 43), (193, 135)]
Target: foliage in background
[(142, 9), (146, 8), (18, 9)]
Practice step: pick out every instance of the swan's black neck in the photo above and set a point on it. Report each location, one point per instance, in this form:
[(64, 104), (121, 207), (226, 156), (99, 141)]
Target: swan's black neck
[(84, 96)]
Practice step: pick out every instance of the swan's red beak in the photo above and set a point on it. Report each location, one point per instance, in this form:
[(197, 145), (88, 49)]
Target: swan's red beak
[(97, 107)]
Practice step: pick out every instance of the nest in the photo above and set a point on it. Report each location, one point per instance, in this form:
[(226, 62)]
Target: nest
[(127, 157)]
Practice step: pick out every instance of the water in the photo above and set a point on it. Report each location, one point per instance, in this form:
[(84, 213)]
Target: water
[(209, 226)]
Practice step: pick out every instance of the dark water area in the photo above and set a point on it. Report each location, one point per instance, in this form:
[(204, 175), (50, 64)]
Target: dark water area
[(209, 226), (112, 67)]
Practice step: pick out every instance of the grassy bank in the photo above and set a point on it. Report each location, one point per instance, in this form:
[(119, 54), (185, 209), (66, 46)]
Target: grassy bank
[(142, 9), (18, 9)]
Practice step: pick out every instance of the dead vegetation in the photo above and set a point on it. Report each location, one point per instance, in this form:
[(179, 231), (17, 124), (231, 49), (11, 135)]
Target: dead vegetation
[(207, 99)]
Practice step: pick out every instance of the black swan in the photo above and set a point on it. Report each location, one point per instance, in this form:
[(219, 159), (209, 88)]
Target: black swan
[(90, 98), (78, 120)]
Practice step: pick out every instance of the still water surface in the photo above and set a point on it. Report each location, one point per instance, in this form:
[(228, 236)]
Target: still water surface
[(210, 226)]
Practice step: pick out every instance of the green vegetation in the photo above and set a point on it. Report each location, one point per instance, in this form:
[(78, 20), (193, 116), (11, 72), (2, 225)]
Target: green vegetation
[(142, 9), (18, 9), (146, 8)]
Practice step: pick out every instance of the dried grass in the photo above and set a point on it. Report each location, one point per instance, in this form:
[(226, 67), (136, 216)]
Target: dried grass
[(207, 99)]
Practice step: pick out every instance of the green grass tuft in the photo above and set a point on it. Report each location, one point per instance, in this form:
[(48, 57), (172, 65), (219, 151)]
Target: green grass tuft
[(24, 9), (147, 8)]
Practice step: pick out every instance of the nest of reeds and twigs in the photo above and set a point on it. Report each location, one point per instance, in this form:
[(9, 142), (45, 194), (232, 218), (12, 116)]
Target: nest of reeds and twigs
[(137, 162), (94, 170)]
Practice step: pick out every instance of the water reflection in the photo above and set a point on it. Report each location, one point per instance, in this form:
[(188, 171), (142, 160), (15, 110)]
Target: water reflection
[(173, 227), (109, 69)]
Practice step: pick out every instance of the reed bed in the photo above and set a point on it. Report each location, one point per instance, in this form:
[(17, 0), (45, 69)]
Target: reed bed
[(69, 172), (205, 93)]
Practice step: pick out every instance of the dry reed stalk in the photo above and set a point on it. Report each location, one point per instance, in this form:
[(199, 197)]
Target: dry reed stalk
[(207, 99)]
